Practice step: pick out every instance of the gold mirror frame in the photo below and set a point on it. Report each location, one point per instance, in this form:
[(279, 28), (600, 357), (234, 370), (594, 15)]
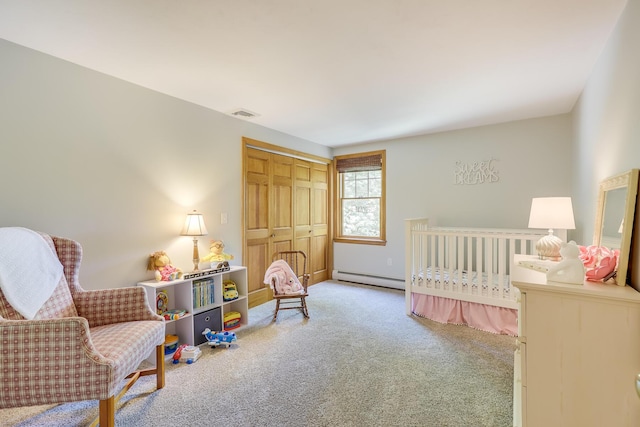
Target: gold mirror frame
[(628, 181)]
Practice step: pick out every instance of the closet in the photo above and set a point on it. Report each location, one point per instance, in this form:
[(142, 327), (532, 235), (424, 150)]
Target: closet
[(286, 207)]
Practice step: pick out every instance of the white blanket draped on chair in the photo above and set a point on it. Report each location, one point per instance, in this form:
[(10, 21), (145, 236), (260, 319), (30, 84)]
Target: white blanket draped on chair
[(29, 269)]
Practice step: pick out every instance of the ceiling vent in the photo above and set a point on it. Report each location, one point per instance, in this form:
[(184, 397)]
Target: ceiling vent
[(243, 113)]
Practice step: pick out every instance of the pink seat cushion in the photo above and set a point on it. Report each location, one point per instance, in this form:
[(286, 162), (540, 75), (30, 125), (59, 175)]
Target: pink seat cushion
[(125, 344)]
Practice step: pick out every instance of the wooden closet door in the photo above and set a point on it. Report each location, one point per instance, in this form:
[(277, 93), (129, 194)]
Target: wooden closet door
[(311, 217), (320, 243), (282, 202), (256, 212), (268, 216), (287, 203), (303, 208)]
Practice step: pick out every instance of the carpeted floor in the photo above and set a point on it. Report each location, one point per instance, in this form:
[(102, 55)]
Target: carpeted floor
[(358, 361)]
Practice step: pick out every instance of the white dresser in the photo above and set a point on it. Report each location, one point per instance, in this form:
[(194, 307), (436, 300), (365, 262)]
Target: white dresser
[(578, 353)]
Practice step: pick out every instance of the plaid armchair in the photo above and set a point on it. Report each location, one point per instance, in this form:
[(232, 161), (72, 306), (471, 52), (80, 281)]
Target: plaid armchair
[(81, 345)]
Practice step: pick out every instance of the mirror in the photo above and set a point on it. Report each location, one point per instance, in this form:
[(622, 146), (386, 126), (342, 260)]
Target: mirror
[(615, 216)]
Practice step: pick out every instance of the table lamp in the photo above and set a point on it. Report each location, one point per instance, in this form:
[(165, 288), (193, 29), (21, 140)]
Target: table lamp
[(550, 213), (194, 226)]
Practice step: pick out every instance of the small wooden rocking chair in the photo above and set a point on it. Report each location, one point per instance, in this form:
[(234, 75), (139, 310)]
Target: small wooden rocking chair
[(297, 260)]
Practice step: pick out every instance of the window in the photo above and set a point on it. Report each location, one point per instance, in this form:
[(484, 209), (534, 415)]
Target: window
[(360, 213)]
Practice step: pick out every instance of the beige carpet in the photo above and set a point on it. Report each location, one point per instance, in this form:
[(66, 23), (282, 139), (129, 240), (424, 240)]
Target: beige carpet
[(358, 361)]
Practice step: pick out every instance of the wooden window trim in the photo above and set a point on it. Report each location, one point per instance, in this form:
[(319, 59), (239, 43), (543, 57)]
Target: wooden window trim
[(355, 160)]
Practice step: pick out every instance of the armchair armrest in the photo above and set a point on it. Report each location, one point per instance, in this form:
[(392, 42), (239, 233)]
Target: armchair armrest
[(108, 306), (39, 351)]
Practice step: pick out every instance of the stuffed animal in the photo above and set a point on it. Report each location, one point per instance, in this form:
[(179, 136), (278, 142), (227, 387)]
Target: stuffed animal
[(216, 253), (164, 271), (570, 269), (282, 279)]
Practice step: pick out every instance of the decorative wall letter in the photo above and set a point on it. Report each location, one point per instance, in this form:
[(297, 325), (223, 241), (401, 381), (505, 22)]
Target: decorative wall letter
[(475, 173)]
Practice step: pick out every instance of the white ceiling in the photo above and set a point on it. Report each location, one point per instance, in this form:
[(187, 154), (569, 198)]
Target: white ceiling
[(335, 72)]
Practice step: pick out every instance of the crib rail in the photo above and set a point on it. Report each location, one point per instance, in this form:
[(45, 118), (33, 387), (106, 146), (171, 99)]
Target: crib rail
[(469, 264)]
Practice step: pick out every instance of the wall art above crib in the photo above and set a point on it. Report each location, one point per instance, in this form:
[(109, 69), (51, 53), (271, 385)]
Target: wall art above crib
[(478, 172)]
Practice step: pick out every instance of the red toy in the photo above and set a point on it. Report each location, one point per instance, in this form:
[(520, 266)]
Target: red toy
[(178, 353)]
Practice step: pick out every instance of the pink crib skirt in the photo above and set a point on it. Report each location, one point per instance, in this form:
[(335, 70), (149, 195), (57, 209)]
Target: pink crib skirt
[(488, 318)]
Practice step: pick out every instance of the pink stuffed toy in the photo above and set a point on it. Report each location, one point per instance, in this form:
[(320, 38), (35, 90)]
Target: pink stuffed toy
[(282, 280), (600, 262), (164, 271)]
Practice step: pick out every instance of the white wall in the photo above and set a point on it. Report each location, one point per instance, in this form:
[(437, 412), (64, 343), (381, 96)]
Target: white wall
[(532, 158), (607, 121), (607, 116), (117, 166)]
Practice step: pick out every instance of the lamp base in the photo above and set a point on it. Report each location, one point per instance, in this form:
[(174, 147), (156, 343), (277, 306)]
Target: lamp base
[(196, 255), (548, 247)]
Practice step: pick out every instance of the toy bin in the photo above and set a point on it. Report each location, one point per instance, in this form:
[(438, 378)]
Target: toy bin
[(170, 344), (211, 319)]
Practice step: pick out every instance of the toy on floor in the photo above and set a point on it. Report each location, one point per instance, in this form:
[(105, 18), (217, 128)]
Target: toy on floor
[(178, 353), (190, 354), (214, 339), (186, 353)]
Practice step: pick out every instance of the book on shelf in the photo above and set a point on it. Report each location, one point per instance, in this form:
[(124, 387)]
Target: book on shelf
[(203, 292)]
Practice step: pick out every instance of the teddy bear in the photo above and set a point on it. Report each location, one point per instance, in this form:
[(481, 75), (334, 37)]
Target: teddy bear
[(164, 270), (571, 268), (216, 253)]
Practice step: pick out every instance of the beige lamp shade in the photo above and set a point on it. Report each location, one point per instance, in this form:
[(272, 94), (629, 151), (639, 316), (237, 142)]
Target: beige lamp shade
[(550, 213), (194, 225)]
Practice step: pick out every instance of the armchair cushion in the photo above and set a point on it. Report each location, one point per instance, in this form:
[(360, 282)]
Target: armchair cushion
[(124, 345)]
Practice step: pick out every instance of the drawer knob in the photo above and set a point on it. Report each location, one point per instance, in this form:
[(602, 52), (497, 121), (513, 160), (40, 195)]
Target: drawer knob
[(638, 384)]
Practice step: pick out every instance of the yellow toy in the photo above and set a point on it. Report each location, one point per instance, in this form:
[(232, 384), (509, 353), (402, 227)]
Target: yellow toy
[(164, 271), (216, 253), (232, 320)]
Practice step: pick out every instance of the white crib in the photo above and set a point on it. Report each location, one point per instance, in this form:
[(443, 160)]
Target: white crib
[(461, 275)]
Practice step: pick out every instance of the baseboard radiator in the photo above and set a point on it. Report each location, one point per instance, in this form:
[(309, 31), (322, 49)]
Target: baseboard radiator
[(366, 279)]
